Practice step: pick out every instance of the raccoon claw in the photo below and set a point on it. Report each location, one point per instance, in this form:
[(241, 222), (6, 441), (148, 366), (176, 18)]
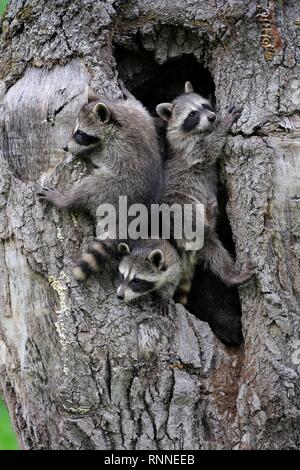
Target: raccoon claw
[(211, 208), (50, 194), (163, 306), (126, 93), (245, 275), (47, 192), (44, 190), (42, 193), (250, 268), (231, 117), (235, 112), (121, 84)]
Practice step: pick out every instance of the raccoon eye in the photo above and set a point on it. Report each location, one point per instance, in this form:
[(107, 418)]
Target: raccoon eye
[(206, 106), (81, 138), (191, 121), (80, 134), (140, 285)]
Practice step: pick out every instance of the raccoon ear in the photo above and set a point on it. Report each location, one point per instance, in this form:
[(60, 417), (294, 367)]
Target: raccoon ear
[(123, 248), (188, 88), (157, 258), (164, 110), (102, 111), (92, 96)]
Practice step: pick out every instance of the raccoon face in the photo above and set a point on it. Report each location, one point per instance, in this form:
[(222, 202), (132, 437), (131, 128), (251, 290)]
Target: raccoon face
[(188, 114), (198, 117), (139, 273), (92, 130)]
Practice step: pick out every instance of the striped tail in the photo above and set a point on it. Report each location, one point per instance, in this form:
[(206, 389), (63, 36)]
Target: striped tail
[(93, 260)]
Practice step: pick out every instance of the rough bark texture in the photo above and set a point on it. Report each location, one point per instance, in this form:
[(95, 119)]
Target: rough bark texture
[(78, 369)]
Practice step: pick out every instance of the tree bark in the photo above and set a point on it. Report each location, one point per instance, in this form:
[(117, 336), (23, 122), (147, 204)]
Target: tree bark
[(78, 369)]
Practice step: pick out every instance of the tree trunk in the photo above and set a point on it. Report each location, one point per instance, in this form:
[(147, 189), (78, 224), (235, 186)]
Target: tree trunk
[(79, 370)]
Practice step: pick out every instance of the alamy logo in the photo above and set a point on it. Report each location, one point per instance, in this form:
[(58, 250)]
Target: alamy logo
[(181, 222)]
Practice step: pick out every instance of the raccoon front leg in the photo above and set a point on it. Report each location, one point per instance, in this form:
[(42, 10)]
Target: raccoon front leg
[(78, 196), (210, 214), (225, 124), (163, 298), (214, 144), (126, 93), (217, 258), (162, 304), (54, 196)]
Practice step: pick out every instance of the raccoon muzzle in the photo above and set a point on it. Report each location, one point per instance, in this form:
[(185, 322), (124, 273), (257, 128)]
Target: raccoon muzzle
[(92, 261)]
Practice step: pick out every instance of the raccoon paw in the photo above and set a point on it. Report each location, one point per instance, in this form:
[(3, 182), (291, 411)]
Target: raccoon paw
[(212, 206), (126, 93), (52, 195), (235, 112), (163, 306), (211, 211), (231, 117), (248, 272), (243, 276)]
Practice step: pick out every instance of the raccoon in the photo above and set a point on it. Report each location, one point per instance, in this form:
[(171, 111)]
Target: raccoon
[(196, 141), (152, 266), (119, 140)]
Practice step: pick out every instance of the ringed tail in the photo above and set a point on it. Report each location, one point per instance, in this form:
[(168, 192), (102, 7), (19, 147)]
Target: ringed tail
[(92, 261)]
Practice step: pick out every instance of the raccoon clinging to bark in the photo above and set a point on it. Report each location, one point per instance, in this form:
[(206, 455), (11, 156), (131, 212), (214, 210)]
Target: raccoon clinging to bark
[(196, 140), (119, 140)]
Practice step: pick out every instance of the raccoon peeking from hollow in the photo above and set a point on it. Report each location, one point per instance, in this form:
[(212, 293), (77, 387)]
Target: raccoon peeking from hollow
[(196, 140), (119, 140), (148, 267)]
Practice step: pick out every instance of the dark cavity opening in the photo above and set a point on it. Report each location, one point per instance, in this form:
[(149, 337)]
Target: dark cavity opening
[(210, 300), (152, 83)]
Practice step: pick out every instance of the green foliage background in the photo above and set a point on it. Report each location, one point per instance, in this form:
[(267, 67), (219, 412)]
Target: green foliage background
[(3, 4), (7, 436)]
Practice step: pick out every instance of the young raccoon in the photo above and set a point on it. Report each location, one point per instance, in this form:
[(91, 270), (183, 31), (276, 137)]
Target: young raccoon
[(196, 140), (119, 140), (151, 266)]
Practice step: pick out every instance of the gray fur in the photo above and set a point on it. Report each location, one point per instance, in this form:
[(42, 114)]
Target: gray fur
[(125, 157), (191, 176)]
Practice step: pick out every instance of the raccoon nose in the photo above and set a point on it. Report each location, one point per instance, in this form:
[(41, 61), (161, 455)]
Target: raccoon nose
[(65, 148), (211, 117), (120, 296)]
